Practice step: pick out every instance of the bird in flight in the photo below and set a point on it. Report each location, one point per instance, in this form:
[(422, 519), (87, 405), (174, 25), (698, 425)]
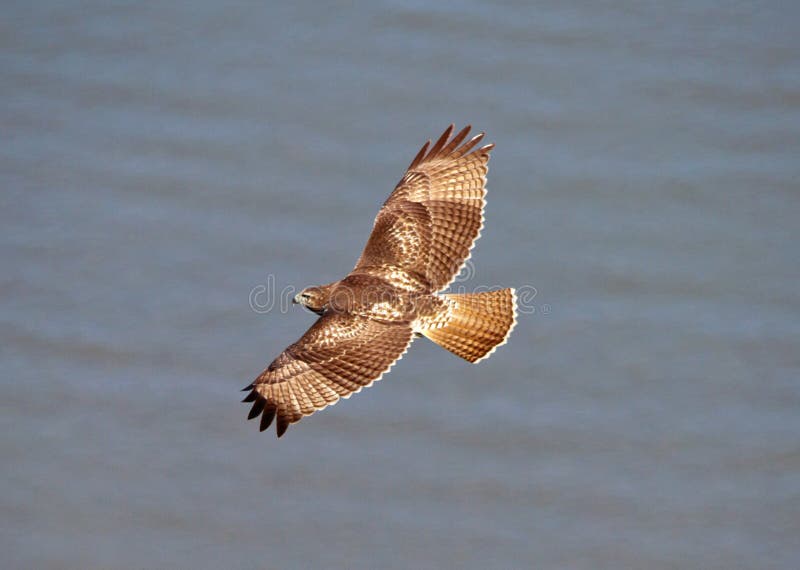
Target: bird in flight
[(421, 238)]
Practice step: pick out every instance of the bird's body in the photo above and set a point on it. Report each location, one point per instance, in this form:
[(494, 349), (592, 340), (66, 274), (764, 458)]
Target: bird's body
[(378, 297), (421, 238)]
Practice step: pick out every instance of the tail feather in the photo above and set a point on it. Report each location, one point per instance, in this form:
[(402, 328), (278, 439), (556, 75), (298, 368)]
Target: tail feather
[(476, 323)]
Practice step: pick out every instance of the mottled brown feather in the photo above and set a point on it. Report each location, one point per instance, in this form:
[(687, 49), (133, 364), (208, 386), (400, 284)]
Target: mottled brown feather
[(428, 225), (338, 356)]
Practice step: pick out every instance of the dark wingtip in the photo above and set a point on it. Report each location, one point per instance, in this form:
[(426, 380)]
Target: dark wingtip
[(248, 387), (257, 408), (420, 155), (282, 425), (266, 419), (439, 144), (456, 140), (250, 397)]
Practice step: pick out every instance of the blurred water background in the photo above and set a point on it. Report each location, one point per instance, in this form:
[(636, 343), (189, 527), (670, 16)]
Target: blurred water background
[(160, 160)]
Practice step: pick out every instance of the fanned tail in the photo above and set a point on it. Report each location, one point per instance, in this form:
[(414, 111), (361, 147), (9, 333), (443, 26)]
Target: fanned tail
[(476, 323)]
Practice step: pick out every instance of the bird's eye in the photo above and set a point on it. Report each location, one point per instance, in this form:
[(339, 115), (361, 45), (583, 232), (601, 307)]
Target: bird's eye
[(305, 295)]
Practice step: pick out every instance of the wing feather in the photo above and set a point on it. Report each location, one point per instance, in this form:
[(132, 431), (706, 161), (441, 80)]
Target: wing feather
[(429, 224), (338, 356)]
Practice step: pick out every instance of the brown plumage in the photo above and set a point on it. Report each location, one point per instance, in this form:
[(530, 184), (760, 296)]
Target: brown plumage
[(421, 238)]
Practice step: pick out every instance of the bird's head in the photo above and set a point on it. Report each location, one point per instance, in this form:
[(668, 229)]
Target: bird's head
[(313, 298)]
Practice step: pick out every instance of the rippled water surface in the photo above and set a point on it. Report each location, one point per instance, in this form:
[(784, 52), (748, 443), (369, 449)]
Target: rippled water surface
[(158, 161)]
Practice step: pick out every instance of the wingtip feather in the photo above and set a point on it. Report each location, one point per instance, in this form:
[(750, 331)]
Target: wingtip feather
[(439, 144), (258, 407), (266, 419), (282, 426), (420, 155), (456, 140)]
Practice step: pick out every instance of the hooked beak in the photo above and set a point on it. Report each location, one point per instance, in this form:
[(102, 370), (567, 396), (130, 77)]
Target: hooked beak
[(295, 301)]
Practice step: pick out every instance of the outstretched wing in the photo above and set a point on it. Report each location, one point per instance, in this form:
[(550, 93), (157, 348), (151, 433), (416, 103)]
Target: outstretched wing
[(430, 222), (338, 356)]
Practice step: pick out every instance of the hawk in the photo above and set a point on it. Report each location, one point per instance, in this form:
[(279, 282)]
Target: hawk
[(421, 238)]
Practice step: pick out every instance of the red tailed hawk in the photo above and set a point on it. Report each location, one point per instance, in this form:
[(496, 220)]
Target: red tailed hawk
[(421, 238)]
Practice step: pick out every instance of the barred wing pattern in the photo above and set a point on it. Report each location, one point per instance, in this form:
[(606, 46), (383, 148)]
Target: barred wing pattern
[(338, 356), (430, 222)]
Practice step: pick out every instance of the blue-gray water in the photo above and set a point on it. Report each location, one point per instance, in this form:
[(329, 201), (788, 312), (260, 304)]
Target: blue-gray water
[(159, 160)]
